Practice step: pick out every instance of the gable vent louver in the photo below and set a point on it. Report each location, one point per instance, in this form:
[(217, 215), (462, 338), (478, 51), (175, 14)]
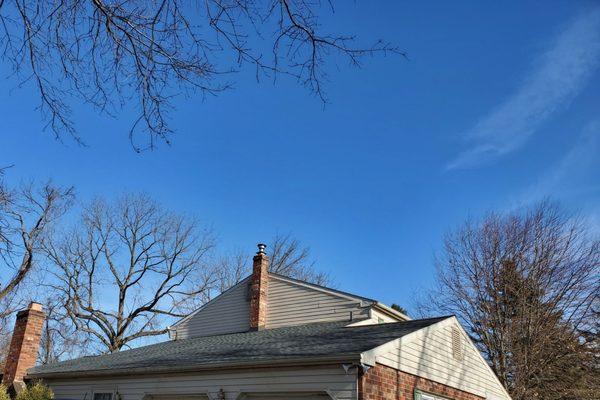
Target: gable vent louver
[(457, 344)]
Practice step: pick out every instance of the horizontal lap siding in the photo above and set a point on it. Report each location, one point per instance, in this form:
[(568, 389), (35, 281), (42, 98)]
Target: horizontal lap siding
[(228, 313), (431, 357), (289, 304), (312, 379), (376, 318), (293, 304)]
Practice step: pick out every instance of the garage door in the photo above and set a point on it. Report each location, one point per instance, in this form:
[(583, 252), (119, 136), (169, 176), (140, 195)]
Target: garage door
[(176, 397), (286, 396)]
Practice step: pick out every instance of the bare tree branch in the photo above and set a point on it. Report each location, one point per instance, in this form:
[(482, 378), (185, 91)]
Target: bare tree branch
[(26, 215), (526, 285), (126, 266), (287, 257), (114, 54), (60, 339)]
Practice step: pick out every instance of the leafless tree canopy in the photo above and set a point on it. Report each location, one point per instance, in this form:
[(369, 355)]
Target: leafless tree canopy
[(60, 338), (287, 257), (127, 265), (290, 258), (527, 287), (108, 53), (26, 216)]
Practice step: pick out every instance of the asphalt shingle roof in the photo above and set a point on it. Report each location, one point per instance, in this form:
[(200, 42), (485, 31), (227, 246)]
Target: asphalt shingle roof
[(306, 342)]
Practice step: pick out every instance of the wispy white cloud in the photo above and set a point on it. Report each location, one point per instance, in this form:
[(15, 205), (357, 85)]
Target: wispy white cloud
[(560, 75), (574, 175)]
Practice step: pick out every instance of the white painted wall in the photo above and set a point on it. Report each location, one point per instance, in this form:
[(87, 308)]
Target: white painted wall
[(290, 304), (280, 380), (293, 304), (376, 317), (428, 353), (227, 313)]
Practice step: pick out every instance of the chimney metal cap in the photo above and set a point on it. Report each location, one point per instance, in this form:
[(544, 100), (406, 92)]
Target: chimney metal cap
[(261, 248)]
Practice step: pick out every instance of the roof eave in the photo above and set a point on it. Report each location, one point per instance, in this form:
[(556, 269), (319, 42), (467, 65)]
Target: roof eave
[(339, 358), (390, 311)]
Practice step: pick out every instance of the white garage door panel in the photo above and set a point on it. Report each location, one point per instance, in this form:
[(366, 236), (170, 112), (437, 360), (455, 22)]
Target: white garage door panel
[(286, 396), (176, 397)]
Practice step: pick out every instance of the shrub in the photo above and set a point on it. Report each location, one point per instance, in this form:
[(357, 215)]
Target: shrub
[(37, 391), (3, 393)]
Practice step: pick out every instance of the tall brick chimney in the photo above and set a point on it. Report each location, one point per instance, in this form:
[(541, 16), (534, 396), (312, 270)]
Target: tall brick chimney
[(258, 289), (24, 345)]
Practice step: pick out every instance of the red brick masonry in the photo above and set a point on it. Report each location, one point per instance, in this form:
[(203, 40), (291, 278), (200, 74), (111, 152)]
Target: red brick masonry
[(385, 383), (25, 344), (259, 285)]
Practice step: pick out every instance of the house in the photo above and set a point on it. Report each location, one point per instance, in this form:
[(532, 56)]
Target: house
[(272, 337)]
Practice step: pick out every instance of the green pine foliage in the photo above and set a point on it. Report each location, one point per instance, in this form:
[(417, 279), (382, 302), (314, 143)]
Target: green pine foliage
[(37, 391), (399, 309)]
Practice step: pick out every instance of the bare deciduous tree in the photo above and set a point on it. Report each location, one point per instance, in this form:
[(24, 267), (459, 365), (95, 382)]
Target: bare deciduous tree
[(231, 269), (60, 338), (290, 258), (287, 257), (525, 285), (126, 267), (26, 216), (108, 52), (5, 338)]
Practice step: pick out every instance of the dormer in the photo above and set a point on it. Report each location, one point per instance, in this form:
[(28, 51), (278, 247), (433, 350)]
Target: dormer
[(267, 300)]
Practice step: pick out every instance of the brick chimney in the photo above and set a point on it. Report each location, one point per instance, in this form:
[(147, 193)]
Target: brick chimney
[(24, 345), (258, 289)]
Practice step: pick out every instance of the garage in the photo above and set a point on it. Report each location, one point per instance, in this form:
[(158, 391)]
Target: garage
[(285, 396)]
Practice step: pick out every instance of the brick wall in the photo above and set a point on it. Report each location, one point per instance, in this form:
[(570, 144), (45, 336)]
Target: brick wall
[(258, 287), (24, 345), (385, 383)]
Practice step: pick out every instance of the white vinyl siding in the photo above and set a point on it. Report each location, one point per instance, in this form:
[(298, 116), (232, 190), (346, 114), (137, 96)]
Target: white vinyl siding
[(286, 396), (430, 355), (227, 313), (294, 304), (332, 379), (382, 318), (375, 318), (289, 303)]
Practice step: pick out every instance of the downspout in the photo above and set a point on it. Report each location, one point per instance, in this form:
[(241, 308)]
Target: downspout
[(361, 370)]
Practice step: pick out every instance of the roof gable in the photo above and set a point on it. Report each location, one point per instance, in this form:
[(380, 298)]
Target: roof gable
[(229, 312), (441, 352)]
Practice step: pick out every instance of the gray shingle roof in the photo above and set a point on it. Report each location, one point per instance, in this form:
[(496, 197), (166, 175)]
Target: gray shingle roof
[(290, 344)]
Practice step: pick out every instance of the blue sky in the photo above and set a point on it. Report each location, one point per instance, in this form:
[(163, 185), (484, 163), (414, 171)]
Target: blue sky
[(497, 107)]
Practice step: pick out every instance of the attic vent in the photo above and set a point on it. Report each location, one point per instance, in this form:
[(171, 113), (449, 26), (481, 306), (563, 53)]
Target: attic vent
[(457, 344)]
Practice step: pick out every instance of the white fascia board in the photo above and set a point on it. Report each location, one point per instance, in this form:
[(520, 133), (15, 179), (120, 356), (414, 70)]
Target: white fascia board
[(390, 310)]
